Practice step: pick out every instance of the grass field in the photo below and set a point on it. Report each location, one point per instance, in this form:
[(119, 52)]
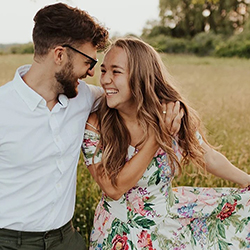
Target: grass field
[(219, 89)]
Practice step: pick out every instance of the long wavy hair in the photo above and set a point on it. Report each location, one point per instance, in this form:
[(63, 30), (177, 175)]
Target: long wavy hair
[(150, 84)]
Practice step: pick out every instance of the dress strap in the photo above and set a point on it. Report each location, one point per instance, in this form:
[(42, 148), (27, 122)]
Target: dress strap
[(92, 126)]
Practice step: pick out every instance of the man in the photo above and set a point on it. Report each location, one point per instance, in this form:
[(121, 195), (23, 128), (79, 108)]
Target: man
[(43, 114)]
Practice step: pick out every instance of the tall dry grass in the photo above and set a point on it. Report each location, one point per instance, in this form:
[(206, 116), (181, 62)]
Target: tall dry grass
[(219, 89)]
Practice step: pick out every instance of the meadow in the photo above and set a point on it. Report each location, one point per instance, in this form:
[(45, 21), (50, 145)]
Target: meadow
[(218, 88)]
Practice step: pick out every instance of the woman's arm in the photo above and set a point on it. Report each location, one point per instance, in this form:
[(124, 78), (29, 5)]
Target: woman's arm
[(129, 175), (132, 170), (217, 164)]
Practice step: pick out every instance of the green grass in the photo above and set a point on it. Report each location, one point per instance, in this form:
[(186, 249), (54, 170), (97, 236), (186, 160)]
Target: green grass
[(219, 89)]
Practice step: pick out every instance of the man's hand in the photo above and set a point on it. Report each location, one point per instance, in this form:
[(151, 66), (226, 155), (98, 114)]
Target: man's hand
[(172, 115)]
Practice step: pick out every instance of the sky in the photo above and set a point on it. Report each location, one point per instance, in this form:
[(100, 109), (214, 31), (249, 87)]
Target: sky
[(120, 16)]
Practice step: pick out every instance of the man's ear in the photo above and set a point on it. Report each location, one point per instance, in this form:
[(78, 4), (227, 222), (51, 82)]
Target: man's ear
[(59, 54)]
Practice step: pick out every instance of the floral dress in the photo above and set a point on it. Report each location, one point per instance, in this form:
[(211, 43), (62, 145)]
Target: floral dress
[(152, 215)]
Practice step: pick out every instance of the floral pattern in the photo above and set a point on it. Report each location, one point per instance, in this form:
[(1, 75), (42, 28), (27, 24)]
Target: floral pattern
[(153, 215)]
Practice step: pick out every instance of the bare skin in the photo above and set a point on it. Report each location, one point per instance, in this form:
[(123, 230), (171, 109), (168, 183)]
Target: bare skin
[(41, 76)]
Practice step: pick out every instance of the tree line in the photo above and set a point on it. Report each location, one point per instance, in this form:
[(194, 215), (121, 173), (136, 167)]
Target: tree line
[(220, 27), (202, 27)]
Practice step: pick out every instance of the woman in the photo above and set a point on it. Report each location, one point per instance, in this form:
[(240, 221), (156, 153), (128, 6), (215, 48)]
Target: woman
[(133, 158)]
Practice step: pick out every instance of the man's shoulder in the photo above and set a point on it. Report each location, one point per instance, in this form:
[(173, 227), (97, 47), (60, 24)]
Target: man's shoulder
[(6, 89), (89, 90), (87, 87)]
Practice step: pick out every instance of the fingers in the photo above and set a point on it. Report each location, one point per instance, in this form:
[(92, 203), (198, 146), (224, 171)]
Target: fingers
[(167, 113), (176, 125), (178, 113), (176, 109), (164, 111), (172, 115)]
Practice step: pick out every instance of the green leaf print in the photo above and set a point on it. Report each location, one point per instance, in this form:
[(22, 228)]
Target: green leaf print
[(223, 245), (155, 178), (147, 206), (125, 228), (106, 206), (152, 197), (242, 224), (107, 243), (212, 231), (234, 219), (240, 206), (144, 222), (236, 197), (221, 229), (153, 236), (132, 246), (152, 163), (227, 221)]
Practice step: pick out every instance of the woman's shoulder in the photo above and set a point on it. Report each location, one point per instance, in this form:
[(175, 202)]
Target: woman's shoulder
[(92, 122)]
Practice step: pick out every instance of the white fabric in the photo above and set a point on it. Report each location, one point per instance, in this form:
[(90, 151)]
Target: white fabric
[(39, 152)]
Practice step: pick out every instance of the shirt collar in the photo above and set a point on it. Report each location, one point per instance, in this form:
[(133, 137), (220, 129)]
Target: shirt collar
[(63, 100), (29, 96)]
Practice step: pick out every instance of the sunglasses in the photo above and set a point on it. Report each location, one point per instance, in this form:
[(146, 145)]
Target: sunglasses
[(93, 61)]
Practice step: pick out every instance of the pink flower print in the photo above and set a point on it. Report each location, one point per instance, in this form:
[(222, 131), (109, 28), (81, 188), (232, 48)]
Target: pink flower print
[(184, 221), (137, 204), (144, 241), (248, 203), (205, 197), (90, 143), (185, 197), (120, 242), (227, 210), (182, 246), (159, 152), (102, 222)]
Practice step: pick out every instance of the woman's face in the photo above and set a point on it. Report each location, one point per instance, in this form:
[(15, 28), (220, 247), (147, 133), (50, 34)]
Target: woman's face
[(115, 80)]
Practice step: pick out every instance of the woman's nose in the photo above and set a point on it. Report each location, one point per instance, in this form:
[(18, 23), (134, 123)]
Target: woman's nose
[(106, 79)]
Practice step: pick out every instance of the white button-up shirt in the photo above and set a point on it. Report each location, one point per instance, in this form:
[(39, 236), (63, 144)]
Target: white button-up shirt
[(39, 153)]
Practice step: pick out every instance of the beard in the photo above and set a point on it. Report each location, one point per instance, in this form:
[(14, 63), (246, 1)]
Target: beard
[(67, 80)]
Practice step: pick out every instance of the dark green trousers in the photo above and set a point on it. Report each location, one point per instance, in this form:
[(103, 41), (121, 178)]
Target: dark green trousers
[(65, 238)]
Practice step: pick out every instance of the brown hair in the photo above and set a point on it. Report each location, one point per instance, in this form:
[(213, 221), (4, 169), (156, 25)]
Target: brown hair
[(60, 24), (150, 84)]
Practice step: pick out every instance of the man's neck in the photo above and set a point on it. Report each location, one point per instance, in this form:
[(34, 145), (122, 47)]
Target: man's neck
[(41, 79)]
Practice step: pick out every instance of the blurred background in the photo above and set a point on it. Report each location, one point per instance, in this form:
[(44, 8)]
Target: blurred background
[(205, 45)]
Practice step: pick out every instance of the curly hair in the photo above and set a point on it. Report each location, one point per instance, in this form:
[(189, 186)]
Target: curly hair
[(150, 84)]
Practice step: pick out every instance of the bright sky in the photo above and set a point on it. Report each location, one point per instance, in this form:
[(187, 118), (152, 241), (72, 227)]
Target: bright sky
[(120, 16)]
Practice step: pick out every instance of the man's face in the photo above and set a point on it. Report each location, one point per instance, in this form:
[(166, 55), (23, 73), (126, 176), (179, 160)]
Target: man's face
[(77, 67), (68, 80)]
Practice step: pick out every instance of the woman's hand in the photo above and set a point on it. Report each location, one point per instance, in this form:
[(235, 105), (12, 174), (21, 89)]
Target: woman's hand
[(172, 115)]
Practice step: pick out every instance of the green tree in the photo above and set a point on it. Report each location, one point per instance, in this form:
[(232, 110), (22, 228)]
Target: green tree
[(186, 18)]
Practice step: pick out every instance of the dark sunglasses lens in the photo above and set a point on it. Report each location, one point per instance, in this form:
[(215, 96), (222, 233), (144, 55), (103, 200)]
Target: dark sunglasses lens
[(92, 65)]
